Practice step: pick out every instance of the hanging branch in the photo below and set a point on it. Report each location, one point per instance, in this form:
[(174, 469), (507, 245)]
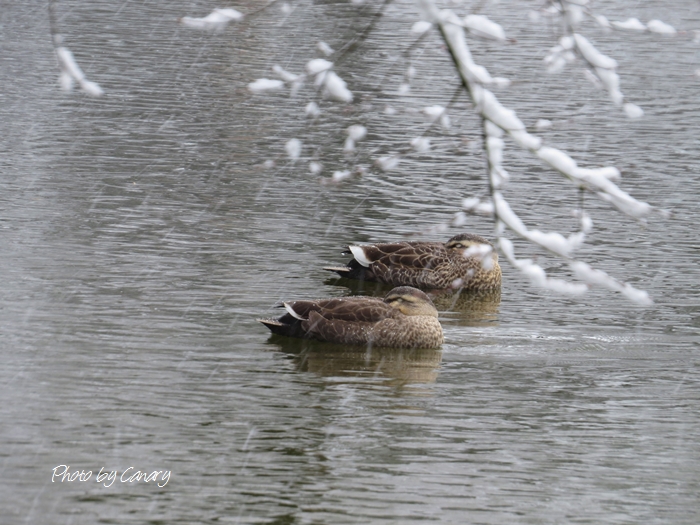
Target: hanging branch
[(70, 70), (498, 120)]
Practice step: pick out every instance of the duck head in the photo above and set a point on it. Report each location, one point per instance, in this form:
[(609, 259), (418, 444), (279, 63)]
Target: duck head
[(473, 246), (464, 241), (410, 301)]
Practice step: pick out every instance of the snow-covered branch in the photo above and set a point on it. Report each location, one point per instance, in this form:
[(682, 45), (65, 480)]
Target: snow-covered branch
[(499, 122), (498, 119), (71, 73), (602, 68)]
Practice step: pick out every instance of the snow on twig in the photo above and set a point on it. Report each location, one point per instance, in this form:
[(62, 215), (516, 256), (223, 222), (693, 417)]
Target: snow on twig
[(498, 119), (217, 20), (71, 73)]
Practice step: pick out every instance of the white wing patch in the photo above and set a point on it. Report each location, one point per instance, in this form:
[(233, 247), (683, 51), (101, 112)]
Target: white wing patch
[(290, 311), (359, 253)]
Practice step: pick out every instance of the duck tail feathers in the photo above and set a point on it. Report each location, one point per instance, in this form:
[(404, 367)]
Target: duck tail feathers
[(343, 271), (275, 326)]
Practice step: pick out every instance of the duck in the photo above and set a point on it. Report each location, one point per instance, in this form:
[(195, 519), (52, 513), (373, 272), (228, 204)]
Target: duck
[(404, 318), (467, 261)]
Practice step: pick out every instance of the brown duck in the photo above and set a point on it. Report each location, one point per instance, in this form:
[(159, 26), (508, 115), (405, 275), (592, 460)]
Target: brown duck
[(405, 318), (427, 265)]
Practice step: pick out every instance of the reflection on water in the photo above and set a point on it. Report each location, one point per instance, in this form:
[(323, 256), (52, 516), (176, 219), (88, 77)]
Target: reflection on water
[(478, 308), (397, 366), (468, 308)]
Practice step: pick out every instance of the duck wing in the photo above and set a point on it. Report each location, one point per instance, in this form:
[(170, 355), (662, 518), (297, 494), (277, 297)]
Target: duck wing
[(406, 264), (360, 267), (337, 330), (298, 321), (346, 320), (406, 254), (348, 309), (399, 263)]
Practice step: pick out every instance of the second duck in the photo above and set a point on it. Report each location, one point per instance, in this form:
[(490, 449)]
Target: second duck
[(458, 263)]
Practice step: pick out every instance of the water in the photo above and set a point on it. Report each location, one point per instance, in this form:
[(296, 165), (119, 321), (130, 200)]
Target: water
[(142, 237)]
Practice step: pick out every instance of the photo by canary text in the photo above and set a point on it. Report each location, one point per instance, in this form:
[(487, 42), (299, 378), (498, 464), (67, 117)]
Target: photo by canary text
[(105, 477)]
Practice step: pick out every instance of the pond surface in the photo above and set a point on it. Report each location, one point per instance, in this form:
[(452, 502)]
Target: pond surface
[(143, 235)]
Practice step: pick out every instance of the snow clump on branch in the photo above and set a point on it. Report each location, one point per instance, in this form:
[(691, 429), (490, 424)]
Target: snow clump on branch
[(657, 26), (630, 23), (217, 20), (265, 84), (479, 25), (333, 86), (293, 148), (71, 73), (356, 133), (498, 119)]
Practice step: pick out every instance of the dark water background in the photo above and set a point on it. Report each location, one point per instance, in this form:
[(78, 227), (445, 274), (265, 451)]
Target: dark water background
[(141, 238)]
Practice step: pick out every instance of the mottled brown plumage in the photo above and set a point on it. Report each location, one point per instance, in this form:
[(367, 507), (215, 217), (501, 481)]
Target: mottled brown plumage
[(405, 318), (426, 265)]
